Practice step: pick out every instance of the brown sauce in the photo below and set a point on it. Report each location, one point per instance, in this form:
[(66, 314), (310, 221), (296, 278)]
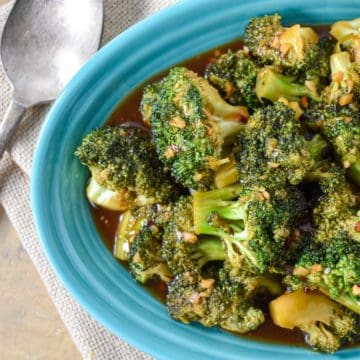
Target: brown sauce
[(106, 221)]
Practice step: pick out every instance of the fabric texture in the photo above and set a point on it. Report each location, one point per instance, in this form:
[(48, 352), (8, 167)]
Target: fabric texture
[(92, 340)]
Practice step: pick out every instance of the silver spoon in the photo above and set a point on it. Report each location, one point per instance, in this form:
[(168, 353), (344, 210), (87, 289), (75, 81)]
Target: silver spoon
[(44, 43)]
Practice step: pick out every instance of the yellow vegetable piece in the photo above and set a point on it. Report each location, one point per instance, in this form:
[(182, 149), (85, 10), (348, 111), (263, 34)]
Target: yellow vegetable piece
[(122, 245), (105, 198), (294, 39), (342, 28), (299, 309)]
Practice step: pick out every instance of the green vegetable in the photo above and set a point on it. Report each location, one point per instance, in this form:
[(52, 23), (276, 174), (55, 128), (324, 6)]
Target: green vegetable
[(341, 127), (212, 302), (190, 124), (252, 224), (326, 324), (123, 159), (234, 75), (182, 248), (271, 85), (332, 268), (291, 49)]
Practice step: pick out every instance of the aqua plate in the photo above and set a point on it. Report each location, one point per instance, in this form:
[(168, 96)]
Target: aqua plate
[(67, 232)]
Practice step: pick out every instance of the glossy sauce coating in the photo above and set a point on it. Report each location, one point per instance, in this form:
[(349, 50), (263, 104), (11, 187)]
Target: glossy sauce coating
[(106, 221)]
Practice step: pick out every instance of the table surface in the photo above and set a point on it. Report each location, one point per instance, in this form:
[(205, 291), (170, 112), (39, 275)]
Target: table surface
[(30, 327)]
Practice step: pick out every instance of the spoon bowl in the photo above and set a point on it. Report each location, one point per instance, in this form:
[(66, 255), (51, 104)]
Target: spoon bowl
[(43, 45)]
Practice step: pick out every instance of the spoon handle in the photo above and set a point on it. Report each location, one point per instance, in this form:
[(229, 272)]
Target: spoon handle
[(9, 124)]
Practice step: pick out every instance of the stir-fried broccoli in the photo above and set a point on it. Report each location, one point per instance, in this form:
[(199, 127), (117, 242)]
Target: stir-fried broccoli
[(252, 223), (335, 212), (321, 152), (191, 124), (318, 147), (272, 150), (234, 75), (212, 302), (332, 268), (145, 261), (132, 221), (272, 85), (344, 88), (348, 35), (243, 194), (182, 248), (241, 81), (341, 126), (291, 49), (269, 174), (317, 69), (123, 159), (326, 324), (106, 198), (265, 285)]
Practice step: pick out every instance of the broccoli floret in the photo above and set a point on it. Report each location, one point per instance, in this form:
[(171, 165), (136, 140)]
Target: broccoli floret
[(252, 224), (341, 127), (332, 268), (326, 324), (332, 215), (132, 221), (190, 124), (182, 248), (344, 88), (211, 302), (272, 151), (234, 75), (348, 35), (317, 67), (149, 94), (290, 49), (335, 211), (318, 148), (123, 160), (272, 85), (241, 81), (145, 261), (321, 152), (263, 286)]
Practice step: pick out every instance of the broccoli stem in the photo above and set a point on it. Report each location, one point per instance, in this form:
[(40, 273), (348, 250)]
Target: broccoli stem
[(319, 150), (226, 175), (211, 249), (122, 245), (354, 173), (265, 282), (343, 299), (271, 85), (317, 147), (237, 241), (340, 62), (106, 198), (216, 104), (230, 210), (316, 174), (215, 214), (229, 129), (207, 203)]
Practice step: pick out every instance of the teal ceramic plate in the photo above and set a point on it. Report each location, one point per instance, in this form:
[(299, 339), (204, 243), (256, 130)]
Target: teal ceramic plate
[(63, 219)]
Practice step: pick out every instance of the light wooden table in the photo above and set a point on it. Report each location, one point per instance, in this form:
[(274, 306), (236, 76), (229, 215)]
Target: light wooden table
[(30, 327)]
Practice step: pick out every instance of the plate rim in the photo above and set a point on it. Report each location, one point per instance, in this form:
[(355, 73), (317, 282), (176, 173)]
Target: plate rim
[(94, 63)]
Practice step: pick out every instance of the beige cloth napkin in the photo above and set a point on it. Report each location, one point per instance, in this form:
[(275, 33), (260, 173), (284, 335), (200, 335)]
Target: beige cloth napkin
[(92, 340)]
